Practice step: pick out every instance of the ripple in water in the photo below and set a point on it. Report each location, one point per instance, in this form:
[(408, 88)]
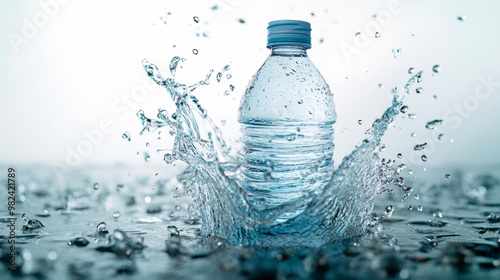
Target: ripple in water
[(341, 210)]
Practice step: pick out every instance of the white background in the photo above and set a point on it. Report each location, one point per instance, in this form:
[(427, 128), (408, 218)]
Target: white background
[(64, 79)]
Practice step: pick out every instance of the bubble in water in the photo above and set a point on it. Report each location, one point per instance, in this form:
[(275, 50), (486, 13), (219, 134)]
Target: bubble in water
[(116, 214), (436, 68), (433, 124), (360, 122), (196, 19), (172, 231), (420, 147), (411, 70), (97, 186), (388, 210), (420, 208), (461, 18), (377, 35), (404, 109), (447, 176), (424, 158), (195, 51), (400, 156), (419, 90), (126, 135)]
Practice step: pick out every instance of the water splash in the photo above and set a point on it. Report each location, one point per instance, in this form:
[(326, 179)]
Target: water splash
[(341, 210)]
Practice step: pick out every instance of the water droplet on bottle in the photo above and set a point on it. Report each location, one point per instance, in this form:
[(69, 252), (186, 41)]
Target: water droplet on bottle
[(400, 156), (97, 186), (424, 158), (116, 214), (461, 18), (196, 19), (377, 35), (195, 51), (447, 176), (436, 68), (360, 122), (420, 208), (126, 135), (419, 90), (411, 70), (404, 109)]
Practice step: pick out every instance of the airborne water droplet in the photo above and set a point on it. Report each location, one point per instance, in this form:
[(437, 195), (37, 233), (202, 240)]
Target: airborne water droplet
[(97, 186), (412, 116), (196, 19), (420, 208), (377, 35), (447, 176), (126, 135), (420, 147), (461, 18), (400, 156), (404, 109), (419, 90), (195, 51), (410, 208), (411, 70), (436, 68), (360, 122), (357, 34), (388, 210), (116, 214), (423, 157), (433, 124)]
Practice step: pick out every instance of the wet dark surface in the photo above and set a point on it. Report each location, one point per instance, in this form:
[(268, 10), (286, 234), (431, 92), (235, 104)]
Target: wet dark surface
[(147, 235)]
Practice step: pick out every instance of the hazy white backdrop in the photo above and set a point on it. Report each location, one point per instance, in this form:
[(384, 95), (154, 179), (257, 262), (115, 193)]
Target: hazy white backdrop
[(67, 64)]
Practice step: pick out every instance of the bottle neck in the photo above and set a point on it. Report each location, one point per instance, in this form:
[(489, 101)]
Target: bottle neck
[(289, 50)]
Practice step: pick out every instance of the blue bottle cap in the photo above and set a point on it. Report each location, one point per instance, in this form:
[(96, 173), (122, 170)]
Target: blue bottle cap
[(289, 32)]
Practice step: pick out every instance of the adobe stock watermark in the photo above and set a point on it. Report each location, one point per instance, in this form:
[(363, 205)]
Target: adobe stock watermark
[(224, 6), (31, 26), (93, 137), (454, 118), (366, 35)]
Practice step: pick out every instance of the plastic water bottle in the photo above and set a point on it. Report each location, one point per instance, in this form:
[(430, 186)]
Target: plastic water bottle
[(286, 117)]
